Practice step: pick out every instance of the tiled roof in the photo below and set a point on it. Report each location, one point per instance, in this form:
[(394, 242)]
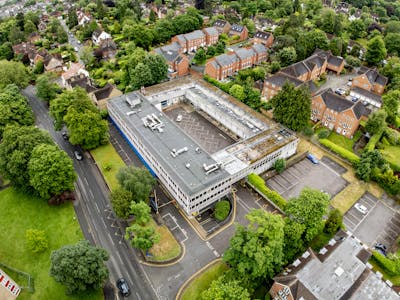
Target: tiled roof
[(226, 59), (211, 30), (170, 52), (335, 60), (296, 69), (237, 28), (104, 92), (262, 35), (259, 48), (244, 53), (360, 110), (335, 102), (197, 34), (220, 23), (280, 78)]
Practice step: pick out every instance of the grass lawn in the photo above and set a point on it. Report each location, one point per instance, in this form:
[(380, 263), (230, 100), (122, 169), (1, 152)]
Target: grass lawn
[(168, 248), (21, 212), (343, 141), (109, 163), (203, 281), (394, 279), (392, 154)]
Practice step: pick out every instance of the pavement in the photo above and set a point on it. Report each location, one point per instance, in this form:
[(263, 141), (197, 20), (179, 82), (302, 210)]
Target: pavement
[(97, 220)]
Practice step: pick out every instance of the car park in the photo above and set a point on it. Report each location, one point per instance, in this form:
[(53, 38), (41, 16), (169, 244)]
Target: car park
[(361, 208), (349, 83), (340, 92), (78, 155), (123, 287), (312, 158), (354, 99)]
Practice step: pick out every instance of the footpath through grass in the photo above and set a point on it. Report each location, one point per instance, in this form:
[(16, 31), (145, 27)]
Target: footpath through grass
[(201, 282), (109, 163), (20, 212)]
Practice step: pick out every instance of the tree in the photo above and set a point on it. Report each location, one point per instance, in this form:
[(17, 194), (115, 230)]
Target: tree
[(36, 240), (51, 171), (223, 288), (100, 9), (16, 149), (292, 106), (142, 237), (391, 103), (86, 128), (280, 165), (357, 29), (14, 108), (369, 160), (141, 210), (334, 222), (200, 56), (79, 267), (308, 209), (376, 51), (293, 239), (6, 51), (62, 35), (141, 76), (12, 72), (39, 67), (46, 88), (336, 46), (237, 91), (29, 27), (59, 106), (255, 252), (328, 20), (136, 180), (121, 202), (158, 67), (376, 122), (86, 55), (392, 43), (287, 56), (72, 19), (222, 209)]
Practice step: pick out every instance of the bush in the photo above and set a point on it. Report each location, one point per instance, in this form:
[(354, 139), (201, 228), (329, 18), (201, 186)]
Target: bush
[(222, 209), (324, 133), (259, 183), (36, 240), (280, 165), (334, 222), (372, 141), (346, 154), (308, 131), (391, 266)]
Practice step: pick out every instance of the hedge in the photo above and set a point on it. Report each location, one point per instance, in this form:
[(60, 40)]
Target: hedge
[(350, 156), (372, 141), (259, 183), (222, 209), (390, 266)]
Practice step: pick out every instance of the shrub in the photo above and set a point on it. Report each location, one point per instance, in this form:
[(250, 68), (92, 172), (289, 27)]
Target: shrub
[(222, 209), (36, 240), (324, 133), (259, 183), (308, 131), (280, 165), (372, 141), (389, 265), (346, 154), (334, 222)]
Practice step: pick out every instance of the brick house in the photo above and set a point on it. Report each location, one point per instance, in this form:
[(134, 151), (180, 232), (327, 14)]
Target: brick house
[(191, 41), (73, 70), (178, 64), (334, 63), (246, 57), (240, 31), (53, 63), (222, 26), (337, 113), (340, 270), (265, 38), (370, 80), (222, 66), (102, 95), (273, 84), (212, 35), (366, 96), (260, 53)]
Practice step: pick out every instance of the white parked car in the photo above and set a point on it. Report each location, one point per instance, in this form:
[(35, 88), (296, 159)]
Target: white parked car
[(361, 208)]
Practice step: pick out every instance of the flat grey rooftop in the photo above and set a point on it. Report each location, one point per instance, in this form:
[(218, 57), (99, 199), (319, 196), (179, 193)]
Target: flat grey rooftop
[(186, 169)]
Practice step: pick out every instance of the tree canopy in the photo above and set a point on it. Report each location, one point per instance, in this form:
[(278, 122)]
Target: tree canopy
[(223, 288), (79, 267), (12, 72), (376, 122), (292, 106), (121, 200), (47, 89), (376, 51)]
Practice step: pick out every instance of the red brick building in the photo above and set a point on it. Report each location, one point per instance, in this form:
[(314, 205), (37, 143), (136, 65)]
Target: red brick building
[(337, 113), (239, 31), (212, 35), (370, 80), (265, 38), (191, 41), (178, 64), (222, 26)]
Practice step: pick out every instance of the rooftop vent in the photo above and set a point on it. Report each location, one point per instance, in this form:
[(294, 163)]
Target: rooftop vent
[(297, 262), (339, 271), (187, 165), (175, 152), (153, 122), (133, 100), (211, 168)]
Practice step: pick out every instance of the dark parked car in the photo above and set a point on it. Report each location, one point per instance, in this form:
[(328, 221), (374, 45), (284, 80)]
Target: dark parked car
[(312, 158), (123, 287), (380, 248), (65, 135)]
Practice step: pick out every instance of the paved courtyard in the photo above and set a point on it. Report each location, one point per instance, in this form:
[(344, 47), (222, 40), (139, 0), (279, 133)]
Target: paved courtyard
[(325, 176), (208, 136), (380, 224)]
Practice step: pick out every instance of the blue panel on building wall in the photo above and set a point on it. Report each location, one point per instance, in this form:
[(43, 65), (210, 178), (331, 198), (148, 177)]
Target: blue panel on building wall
[(134, 149)]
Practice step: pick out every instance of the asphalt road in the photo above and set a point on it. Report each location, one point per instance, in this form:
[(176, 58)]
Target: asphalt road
[(95, 216), (72, 41)]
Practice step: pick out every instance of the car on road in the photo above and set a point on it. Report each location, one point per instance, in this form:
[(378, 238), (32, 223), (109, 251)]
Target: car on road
[(361, 208), (64, 135), (123, 287), (312, 158), (78, 155)]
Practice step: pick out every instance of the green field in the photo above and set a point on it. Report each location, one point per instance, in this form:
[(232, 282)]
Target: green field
[(109, 163), (203, 281), (20, 212), (392, 154)]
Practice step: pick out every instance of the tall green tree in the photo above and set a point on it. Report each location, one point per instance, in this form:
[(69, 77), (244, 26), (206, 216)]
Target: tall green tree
[(308, 209), (293, 239), (6, 51), (80, 267), (138, 181), (72, 19), (256, 251), (141, 210), (158, 67), (369, 160), (142, 237), (46, 88), (392, 43), (357, 29), (121, 200), (287, 56), (51, 171), (141, 76), (376, 122), (292, 106), (223, 288), (376, 51), (12, 72), (391, 104), (16, 150)]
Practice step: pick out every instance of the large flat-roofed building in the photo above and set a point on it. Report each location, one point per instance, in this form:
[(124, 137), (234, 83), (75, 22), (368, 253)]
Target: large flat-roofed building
[(194, 172)]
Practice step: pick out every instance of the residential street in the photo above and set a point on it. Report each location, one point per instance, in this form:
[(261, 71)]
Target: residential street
[(95, 215)]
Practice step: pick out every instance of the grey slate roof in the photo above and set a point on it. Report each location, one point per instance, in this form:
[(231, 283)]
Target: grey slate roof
[(237, 28), (194, 35), (367, 94), (335, 102), (373, 75), (296, 69), (279, 79), (220, 23), (360, 110), (335, 60), (244, 53), (170, 52), (259, 48), (262, 35), (226, 59), (211, 30)]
